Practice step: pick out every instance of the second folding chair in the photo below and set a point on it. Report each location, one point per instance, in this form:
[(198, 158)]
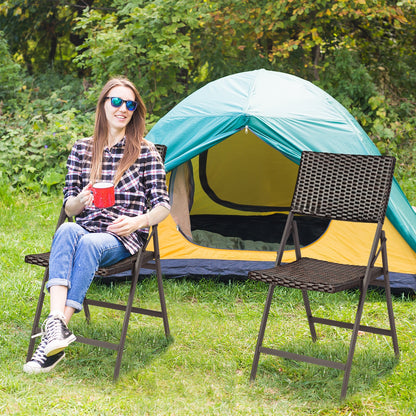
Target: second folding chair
[(343, 188)]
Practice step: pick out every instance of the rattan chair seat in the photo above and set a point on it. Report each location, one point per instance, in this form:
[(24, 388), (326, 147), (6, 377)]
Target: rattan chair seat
[(39, 259), (313, 274), (42, 259)]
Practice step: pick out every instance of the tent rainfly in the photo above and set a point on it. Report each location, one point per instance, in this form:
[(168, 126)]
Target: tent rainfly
[(233, 152)]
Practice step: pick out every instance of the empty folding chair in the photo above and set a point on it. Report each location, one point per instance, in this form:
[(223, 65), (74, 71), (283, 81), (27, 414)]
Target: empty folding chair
[(337, 187)]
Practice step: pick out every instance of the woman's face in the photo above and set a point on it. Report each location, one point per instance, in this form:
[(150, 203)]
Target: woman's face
[(118, 117)]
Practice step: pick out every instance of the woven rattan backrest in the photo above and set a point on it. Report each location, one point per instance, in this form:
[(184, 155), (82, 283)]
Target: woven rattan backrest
[(343, 187), (162, 149)]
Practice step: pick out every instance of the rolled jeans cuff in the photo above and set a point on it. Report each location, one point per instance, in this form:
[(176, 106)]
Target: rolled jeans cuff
[(73, 304), (58, 282)]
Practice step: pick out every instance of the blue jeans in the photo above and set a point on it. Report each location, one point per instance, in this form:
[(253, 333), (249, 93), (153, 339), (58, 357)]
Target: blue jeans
[(76, 254)]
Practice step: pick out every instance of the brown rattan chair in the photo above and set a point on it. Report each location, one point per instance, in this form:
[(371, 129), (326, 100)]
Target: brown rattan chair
[(144, 259), (338, 187)]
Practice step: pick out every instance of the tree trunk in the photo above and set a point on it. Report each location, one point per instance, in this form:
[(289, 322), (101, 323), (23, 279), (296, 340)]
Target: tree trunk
[(316, 51)]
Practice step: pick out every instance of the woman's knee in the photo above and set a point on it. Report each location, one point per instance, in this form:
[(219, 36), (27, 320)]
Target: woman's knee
[(88, 244), (101, 246), (68, 232), (69, 228)]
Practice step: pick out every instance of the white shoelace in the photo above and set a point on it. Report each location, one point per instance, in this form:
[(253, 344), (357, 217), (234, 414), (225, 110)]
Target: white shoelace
[(53, 327), (52, 324), (39, 354)]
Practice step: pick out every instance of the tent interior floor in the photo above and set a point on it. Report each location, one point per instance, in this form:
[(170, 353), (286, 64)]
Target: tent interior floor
[(256, 232)]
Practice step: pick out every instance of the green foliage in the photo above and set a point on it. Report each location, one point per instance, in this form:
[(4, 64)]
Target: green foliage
[(393, 130), (297, 36), (360, 52), (391, 124), (39, 32), (39, 164), (147, 41), (345, 77), (35, 142)]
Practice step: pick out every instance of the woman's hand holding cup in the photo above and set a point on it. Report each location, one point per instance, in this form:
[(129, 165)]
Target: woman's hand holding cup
[(86, 197)]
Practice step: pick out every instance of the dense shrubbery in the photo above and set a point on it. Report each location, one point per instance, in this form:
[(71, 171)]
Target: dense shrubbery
[(49, 113), (33, 150)]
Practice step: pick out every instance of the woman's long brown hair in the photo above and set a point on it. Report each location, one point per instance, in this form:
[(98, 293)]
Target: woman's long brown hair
[(134, 132)]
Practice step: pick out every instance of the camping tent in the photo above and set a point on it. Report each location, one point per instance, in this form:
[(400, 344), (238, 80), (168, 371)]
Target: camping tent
[(233, 151)]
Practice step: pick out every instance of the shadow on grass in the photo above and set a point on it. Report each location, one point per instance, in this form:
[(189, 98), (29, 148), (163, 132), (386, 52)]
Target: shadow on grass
[(371, 364), (143, 345)]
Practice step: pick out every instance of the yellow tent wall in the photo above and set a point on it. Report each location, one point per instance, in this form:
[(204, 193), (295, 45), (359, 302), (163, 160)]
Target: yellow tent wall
[(334, 245)]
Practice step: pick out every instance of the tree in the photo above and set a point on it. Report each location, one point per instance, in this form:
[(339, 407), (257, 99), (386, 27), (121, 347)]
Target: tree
[(37, 30), (305, 33), (10, 79)]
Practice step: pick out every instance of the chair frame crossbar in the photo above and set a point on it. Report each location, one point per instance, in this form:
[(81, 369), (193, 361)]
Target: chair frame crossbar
[(317, 275), (143, 259)]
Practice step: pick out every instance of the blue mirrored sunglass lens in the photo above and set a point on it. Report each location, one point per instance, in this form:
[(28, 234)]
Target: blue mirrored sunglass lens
[(131, 105), (118, 102)]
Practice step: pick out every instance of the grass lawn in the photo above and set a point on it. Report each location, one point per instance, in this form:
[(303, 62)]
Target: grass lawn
[(204, 368)]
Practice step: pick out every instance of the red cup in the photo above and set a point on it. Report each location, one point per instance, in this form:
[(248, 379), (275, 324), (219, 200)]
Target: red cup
[(103, 194)]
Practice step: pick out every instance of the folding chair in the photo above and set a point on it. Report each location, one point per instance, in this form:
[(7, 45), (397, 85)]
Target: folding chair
[(145, 258), (338, 187)]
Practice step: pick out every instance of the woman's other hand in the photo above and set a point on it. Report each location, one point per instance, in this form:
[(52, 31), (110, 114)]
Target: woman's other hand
[(124, 225)]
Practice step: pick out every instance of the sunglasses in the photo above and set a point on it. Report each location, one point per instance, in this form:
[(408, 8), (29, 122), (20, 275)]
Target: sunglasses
[(118, 102)]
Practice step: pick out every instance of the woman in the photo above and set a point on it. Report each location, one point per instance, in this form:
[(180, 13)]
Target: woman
[(117, 152)]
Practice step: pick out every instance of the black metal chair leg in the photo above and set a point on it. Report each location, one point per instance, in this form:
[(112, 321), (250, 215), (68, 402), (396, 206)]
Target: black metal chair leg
[(125, 327), (38, 313), (387, 291), (87, 312), (309, 314), (353, 342), (162, 299), (261, 333), (161, 291)]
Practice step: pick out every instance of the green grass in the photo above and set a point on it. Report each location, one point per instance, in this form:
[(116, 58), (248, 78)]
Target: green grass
[(204, 368)]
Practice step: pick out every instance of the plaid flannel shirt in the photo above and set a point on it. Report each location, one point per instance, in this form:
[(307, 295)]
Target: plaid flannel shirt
[(144, 181)]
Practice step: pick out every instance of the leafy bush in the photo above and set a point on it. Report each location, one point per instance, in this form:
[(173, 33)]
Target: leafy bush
[(35, 141), (33, 152), (156, 56), (347, 79), (394, 132)]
